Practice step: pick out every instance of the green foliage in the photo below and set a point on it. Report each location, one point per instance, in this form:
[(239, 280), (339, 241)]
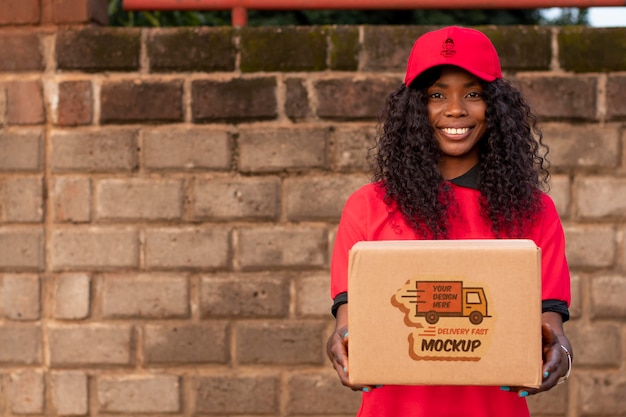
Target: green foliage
[(394, 17), (120, 17), (570, 16)]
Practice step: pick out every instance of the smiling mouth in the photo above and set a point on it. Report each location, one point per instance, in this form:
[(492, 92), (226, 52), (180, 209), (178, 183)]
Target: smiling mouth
[(455, 131)]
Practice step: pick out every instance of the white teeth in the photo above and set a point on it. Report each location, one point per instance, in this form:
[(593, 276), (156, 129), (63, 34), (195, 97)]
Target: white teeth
[(453, 131)]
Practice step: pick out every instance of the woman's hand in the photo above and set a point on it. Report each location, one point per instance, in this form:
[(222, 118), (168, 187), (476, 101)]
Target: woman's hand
[(337, 350), (556, 360)]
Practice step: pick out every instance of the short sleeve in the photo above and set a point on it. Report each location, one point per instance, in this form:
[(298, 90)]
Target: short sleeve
[(351, 230), (555, 270)]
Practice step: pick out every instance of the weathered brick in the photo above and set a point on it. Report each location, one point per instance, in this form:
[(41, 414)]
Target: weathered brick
[(274, 150), (3, 105), (523, 47), (586, 146), (313, 295), (555, 97), (196, 248), (20, 296), (237, 394), (601, 393), (187, 343), (186, 149), (4, 385), (588, 352), (20, 50), (237, 100), (191, 49), (139, 199), (337, 398), (237, 198), (139, 394), (283, 343), (46, 12), (560, 193), (21, 150), (27, 392), (72, 296), (71, 198), (332, 234), (615, 92), (232, 281), (600, 196), (94, 151), (90, 345), (21, 200), (360, 99), (78, 11), (18, 12), (520, 47), (296, 100), (584, 49), (293, 48), (22, 248), (94, 248), (590, 246), (344, 48), (24, 102), (576, 306), (21, 344), (141, 101), (282, 247), (70, 393), (98, 49), (144, 296), (550, 403), (621, 255), (349, 147), (244, 295), (608, 292), (386, 48), (75, 105), (331, 193)]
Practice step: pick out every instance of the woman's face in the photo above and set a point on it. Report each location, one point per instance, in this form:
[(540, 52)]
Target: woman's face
[(456, 111)]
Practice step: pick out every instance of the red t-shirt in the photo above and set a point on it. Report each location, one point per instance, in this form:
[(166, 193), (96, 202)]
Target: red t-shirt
[(366, 217)]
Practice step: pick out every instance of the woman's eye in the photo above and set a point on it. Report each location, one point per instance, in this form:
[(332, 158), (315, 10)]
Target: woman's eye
[(474, 94), (436, 95)]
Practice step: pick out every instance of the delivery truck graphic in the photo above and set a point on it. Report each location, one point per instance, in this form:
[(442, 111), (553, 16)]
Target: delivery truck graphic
[(435, 299)]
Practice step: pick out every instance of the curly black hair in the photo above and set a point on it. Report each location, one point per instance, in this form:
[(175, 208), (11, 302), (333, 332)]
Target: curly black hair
[(513, 165)]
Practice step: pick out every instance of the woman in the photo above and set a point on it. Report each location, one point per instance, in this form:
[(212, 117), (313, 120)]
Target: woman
[(458, 157)]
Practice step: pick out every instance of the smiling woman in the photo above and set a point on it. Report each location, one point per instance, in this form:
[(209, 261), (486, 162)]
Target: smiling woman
[(458, 156)]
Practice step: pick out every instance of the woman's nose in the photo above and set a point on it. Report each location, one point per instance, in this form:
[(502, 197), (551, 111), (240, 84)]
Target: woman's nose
[(456, 108)]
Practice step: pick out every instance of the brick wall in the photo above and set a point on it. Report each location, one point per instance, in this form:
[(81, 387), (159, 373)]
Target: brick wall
[(168, 201)]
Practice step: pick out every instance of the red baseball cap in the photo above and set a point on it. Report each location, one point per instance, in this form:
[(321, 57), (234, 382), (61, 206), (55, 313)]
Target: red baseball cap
[(466, 48)]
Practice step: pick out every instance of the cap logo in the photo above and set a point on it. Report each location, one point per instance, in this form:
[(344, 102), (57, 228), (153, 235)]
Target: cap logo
[(448, 49)]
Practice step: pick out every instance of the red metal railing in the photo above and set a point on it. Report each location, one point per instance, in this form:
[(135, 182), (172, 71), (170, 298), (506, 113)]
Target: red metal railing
[(239, 7)]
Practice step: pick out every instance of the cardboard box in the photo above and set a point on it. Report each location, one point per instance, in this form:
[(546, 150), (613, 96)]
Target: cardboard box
[(447, 312)]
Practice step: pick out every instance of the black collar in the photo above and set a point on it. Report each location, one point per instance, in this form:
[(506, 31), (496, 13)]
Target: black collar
[(469, 179)]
